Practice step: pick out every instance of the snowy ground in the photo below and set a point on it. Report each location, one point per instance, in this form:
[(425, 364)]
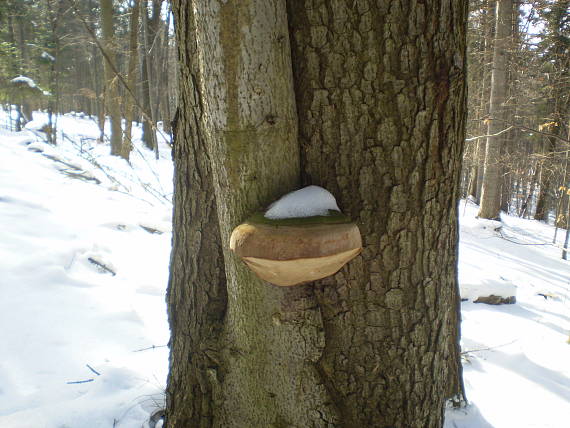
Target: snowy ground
[(65, 319), (68, 320), (517, 368)]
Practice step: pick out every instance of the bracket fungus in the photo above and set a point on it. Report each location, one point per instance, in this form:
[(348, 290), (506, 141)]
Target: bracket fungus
[(301, 238)]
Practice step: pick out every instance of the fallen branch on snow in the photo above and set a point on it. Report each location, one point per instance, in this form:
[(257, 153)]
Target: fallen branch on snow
[(150, 347), (102, 266)]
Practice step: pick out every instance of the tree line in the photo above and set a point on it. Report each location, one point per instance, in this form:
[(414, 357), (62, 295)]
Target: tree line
[(518, 130), (104, 58)]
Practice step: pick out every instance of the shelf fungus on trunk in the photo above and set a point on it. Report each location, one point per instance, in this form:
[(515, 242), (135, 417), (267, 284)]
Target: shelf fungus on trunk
[(298, 246)]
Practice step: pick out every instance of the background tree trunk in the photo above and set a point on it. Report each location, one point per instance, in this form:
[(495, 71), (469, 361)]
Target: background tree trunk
[(130, 101), (110, 65), (484, 82), (377, 344), (546, 173), (492, 183), (150, 28)]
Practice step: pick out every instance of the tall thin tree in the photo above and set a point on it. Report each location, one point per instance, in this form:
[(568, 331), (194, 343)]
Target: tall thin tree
[(111, 81), (491, 191)]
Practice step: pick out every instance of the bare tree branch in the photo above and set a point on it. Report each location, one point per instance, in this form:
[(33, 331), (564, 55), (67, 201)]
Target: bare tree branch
[(524, 128), (490, 135)]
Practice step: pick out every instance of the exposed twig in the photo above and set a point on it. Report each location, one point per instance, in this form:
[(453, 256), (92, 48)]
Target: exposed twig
[(490, 135), (93, 370), (79, 381), (490, 348), (157, 194), (526, 128), (502, 235), (151, 230), (150, 347), (102, 266)]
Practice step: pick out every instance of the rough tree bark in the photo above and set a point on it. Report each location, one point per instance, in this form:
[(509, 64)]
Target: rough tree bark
[(197, 287), (111, 89), (381, 106), (380, 93), (491, 191)]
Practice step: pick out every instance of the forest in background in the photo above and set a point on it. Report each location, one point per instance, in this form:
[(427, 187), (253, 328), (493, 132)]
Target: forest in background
[(101, 58), (117, 59)]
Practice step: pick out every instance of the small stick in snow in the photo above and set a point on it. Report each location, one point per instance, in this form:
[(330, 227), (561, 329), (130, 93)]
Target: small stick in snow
[(506, 238), (151, 230), (102, 266), (490, 348), (150, 347), (93, 370), (79, 381)]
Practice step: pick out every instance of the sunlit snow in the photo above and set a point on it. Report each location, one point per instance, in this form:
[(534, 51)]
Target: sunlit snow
[(306, 202), (64, 317)]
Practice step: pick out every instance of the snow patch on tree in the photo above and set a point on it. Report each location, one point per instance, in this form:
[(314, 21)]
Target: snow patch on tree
[(47, 57), (307, 202)]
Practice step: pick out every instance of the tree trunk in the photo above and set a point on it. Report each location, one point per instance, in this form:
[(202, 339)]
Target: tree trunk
[(111, 89), (491, 192), (150, 27), (130, 101), (546, 177), (489, 32), (165, 83), (148, 134), (364, 128), (95, 72), (382, 126)]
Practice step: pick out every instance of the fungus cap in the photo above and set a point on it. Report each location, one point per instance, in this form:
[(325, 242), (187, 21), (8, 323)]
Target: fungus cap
[(296, 251)]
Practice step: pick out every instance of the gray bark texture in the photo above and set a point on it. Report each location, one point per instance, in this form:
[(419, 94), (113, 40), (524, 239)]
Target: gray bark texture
[(374, 111), (492, 182)]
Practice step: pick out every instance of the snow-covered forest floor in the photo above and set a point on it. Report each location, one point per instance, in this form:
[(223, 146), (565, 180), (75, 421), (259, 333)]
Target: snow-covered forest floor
[(84, 250), (73, 333)]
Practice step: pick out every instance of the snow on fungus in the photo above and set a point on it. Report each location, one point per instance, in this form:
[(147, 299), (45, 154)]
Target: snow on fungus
[(24, 80), (306, 202), (304, 238)]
